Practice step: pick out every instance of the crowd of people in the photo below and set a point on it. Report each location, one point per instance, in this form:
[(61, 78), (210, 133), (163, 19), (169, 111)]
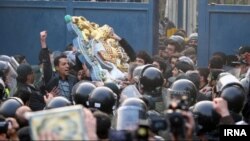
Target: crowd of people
[(161, 97)]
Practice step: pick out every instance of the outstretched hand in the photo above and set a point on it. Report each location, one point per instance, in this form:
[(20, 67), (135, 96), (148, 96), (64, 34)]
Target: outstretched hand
[(43, 36), (50, 95)]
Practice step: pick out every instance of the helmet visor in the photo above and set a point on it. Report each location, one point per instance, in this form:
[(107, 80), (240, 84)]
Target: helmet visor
[(176, 95), (128, 117)]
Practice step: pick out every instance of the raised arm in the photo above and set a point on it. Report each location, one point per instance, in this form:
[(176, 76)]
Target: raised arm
[(44, 56)]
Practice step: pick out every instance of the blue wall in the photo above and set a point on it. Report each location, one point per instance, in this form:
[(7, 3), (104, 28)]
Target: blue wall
[(22, 21), (222, 28)]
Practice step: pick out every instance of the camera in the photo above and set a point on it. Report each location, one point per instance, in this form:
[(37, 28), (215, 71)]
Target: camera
[(4, 126), (141, 133), (175, 117), (157, 122)]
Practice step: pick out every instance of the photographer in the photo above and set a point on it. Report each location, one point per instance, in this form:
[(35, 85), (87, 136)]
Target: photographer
[(180, 120)]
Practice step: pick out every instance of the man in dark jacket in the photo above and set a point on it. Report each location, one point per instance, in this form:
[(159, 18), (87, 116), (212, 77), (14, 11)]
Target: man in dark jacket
[(30, 95), (61, 78)]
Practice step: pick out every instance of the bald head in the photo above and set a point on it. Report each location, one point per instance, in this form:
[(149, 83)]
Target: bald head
[(20, 112)]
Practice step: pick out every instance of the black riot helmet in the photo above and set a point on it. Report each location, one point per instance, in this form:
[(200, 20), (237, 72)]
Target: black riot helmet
[(113, 86), (235, 97), (82, 93), (151, 79), (137, 102), (245, 83), (11, 60), (2, 88), (183, 88), (8, 107), (73, 91), (103, 99), (130, 113), (4, 66), (206, 117), (58, 102)]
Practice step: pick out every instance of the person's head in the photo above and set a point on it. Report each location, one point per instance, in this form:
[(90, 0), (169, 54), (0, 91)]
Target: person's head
[(183, 88), (222, 55), (161, 50), (175, 44), (181, 67), (244, 53), (193, 40), (216, 62), (25, 74), (131, 69), (20, 59), (143, 58), (235, 96), (191, 53), (181, 32), (131, 108), (82, 92), (103, 124), (205, 116), (80, 75), (151, 79), (70, 47), (232, 61), (9, 74), (213, 75), (136, 74), (62, 65), (20, 115), (58, 102), (194, 76), (8, 107), (159, 63), (24, 134), (204, 72), (171, 48), (174, 59), (103, 99)]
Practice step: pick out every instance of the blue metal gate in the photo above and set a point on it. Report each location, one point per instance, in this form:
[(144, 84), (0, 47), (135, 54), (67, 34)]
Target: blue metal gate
[(22, 21), (221, 28)]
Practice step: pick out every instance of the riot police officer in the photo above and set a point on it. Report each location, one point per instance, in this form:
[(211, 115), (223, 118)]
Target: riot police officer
[(151, 85)]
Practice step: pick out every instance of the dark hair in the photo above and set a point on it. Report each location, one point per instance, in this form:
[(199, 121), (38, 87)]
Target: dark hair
[(145, 56), (69, 47), (244, 49), (216, 62), (56, 60), (23, 71), (24, 134), (103, 124), (183, 66), (204, 72), (222, 55), (194, 76), (232, 60), (19, 58), (161, 61), (181, 32), (178, 48)]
